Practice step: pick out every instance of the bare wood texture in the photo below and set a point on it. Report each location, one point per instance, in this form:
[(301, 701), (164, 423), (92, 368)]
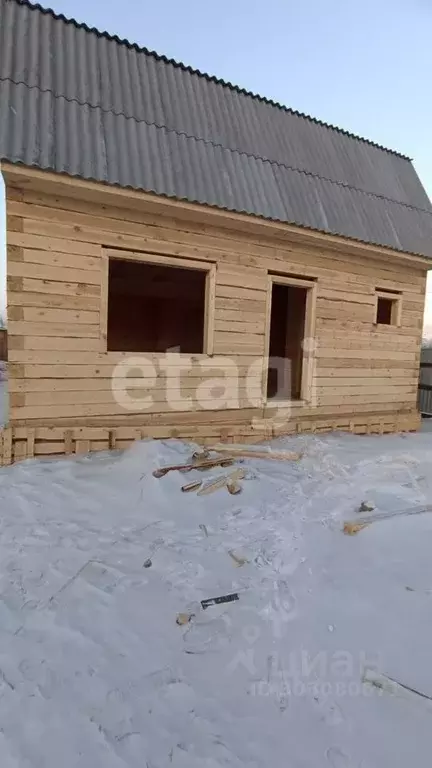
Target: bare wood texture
[(60, 231), (21, 442), (33, 180)]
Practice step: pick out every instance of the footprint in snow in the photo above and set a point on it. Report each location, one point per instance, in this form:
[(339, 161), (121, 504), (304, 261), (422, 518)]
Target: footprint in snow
[(207, 636), (330, 712), (339, 759)]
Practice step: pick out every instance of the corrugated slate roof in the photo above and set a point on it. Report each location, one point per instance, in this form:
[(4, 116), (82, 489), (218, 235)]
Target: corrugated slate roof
[(78, 101)]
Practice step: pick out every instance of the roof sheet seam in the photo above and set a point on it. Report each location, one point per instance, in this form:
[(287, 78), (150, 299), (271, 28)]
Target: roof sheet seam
[(215, 144), (204, 75)]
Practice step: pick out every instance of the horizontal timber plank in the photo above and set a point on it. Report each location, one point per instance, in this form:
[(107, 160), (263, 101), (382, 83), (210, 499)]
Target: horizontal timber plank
[(131, 199), (236, 304), (338, 326), (204, 363), (247, 277), (405, 399), (31, 330), (236, 416), (333, 283), (369, 388), (346, 297), (372, 342), (73, 411), (55, 343), (400, 284), (359, 362), (186, 384), (103, 237), (183, 400), (49, 288), (234, 349), (331, 309), (248, 328), (336, 409), (47, 302), (232, 240), (365, 354), (239, 339), (52, 258), (49, 315), (48, 243), (237, 316), (389, 381), (413, 304), (369, 335), (57, 274), (105, 371), (236, 292)]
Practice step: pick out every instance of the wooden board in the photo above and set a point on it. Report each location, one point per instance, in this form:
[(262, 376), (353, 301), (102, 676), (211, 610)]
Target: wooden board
[(60, 232), (23, 442)]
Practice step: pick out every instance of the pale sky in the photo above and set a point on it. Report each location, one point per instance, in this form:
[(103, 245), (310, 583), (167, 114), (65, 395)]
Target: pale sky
[(365, 66)]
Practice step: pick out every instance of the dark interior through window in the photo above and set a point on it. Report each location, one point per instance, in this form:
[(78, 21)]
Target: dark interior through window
[(384, 311), (154, 308)]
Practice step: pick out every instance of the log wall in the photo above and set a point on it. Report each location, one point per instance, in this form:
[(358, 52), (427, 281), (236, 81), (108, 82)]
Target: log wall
[(59, 231)]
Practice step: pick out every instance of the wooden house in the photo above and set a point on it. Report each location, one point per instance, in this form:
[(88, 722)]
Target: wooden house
[(166, 229)]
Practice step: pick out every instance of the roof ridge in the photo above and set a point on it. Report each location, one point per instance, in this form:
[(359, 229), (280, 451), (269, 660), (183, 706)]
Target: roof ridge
[(260, 158), (206, 76)]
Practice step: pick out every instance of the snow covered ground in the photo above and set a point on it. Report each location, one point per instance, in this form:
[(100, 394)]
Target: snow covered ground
[(95, 672)]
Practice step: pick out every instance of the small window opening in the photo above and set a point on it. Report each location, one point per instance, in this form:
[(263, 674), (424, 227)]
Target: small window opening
[(388, 307), (384, 311), (287, 328), (154, 308)]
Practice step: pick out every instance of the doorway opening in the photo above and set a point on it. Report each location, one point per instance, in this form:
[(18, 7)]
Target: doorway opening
[(287, 332)]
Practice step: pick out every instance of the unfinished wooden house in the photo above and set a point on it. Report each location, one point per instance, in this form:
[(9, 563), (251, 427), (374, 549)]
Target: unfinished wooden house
[(188, 259)]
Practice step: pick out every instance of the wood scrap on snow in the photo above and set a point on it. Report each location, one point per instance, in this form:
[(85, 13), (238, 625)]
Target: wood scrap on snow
[(251, 452)]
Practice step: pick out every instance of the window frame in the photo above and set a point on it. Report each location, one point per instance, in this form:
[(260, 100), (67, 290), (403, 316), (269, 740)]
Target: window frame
[(164, 261), (309, 332), (396, 310)]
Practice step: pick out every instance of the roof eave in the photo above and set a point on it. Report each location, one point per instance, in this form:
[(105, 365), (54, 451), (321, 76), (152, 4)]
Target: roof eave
[(33, 177)]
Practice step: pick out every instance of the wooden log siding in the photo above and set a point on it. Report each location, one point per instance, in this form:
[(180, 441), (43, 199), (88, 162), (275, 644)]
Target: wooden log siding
[(60, 376)]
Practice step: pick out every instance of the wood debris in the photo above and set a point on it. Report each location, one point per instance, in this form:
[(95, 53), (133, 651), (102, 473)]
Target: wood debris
[(238, 559), (226, 462), (203, 464), (200, 456), (352, 528), (184, 618), (251, 452), (234, 487), (221, 482), (192, 486), (392, 686)]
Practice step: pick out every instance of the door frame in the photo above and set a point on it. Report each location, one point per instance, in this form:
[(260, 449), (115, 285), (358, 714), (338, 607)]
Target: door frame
[(309, 333)]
